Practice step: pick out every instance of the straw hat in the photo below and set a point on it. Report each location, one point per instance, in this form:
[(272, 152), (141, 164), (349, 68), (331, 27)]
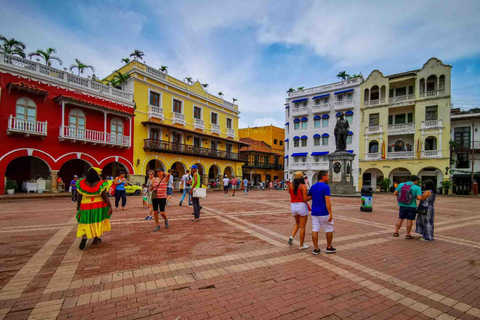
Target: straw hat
[(298, 175)]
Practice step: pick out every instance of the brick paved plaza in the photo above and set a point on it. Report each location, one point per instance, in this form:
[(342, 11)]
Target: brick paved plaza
[(235, 263)]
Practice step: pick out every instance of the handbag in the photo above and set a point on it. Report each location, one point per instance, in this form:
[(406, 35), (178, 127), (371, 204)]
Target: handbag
[(199, 193), (421, 209)]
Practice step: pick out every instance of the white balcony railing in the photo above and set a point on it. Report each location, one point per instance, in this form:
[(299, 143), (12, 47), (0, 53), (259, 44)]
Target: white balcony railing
[(299, 165), (64, 76), (27, 127), (319, 165), (324, 107), (401, 128), (345, 104), (432, 154), (95, 137), (433, 93), (323, 88), (372, 156), (178, 118), (198, 124), (230, 132), (431, 124), (374, 129), (375, 102), (300, 111), (155, 112), (401, 155), (407, 97), (215, 128)]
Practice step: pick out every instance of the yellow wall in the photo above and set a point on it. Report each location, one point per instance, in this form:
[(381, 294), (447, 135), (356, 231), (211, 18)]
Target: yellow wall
[(266, 134)]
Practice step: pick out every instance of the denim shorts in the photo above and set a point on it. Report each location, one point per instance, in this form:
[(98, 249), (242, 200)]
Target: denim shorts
[(169, 191), (408, 213)]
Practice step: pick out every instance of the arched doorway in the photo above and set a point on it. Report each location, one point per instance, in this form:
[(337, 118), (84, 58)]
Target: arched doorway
[(372, 177), (430, 144), (28, 169), (178, 170), (154, 165), (73, 167), (228, 172), (112, 169), (214, 172), (431, 173), (315, 178), (399, 175)]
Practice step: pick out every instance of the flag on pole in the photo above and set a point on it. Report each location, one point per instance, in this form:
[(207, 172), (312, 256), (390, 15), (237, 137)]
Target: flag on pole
[(418, 148), (383, 150)]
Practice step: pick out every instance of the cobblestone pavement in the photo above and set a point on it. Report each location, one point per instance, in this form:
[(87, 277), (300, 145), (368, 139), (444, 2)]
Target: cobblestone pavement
[(236, 263)]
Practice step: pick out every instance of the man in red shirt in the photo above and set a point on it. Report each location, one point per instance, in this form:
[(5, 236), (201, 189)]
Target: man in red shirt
[(234, 182)]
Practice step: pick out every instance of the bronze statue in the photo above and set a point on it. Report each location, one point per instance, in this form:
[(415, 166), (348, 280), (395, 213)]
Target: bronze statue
[(341, 133)]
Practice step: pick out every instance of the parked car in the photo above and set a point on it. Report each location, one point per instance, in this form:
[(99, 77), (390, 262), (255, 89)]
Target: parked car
[(129, 188)]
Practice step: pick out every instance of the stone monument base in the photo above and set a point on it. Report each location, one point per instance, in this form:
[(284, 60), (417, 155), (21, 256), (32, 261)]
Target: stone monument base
[(340, 171)]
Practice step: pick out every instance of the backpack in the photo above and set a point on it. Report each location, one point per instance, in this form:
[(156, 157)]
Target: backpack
[(405, 195)]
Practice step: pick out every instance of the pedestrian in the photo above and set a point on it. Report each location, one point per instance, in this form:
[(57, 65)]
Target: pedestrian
[(120, 182), (233, 182), (322, 216), (169, 187), (251, 183), (407, 195), (196, 183), (151, 176), (262, 185), (245, 185), (299, 208), (144, 195), (159, 197), (73, 188), (239, 183), (187, 185), (426, 212), (226, 182), (93, 208)]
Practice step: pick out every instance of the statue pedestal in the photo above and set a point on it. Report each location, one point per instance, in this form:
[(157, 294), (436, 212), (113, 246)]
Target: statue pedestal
[(340, 171)]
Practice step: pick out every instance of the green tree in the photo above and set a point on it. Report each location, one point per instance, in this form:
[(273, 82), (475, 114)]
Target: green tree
[(205, 85), (81, 67), (118, 80), (220, 94), (343, 75), (46, 55), (300, 88), (290, 90), (189, 80), (137, 55), (385, 184), (12, 46), (164, 69), (126, 60)]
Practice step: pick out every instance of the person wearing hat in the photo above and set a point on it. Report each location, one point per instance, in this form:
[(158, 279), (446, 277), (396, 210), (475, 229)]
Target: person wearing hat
[(93, 207), (299, 207), (159, 197), (73, 188), (196, 183)]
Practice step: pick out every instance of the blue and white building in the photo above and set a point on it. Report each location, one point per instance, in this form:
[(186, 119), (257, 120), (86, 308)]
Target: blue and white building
[(310, 118)]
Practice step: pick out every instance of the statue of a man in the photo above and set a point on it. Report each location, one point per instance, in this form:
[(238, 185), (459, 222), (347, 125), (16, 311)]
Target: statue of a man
[(341, 133)]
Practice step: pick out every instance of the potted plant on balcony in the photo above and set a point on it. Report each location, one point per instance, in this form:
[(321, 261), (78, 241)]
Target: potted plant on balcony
[(11, 186)]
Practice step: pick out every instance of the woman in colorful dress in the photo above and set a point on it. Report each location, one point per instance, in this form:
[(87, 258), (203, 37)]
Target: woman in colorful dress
[(151, 176), (159, 197), (93, 207), (425, 220)]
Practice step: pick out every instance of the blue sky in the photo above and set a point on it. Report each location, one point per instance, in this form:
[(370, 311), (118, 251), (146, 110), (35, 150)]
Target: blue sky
[(255, 50)]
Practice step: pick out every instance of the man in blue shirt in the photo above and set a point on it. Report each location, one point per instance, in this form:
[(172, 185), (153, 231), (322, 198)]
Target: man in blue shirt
[(73, 186), (407, 210), (321, 212)]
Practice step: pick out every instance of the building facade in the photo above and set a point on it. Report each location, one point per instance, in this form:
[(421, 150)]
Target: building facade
[(465, 149), (178, 124), (405, 125), (264, 153), (311, 116), (56, 124)]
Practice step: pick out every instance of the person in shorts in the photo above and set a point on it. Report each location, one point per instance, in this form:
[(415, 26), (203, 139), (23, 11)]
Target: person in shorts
[(170, 186), (299, 207), (234, 182), (159, 197), (226, 181), (322, 212), (407, 195)]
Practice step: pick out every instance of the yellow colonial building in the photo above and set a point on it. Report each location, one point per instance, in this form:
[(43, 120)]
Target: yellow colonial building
[(179, 124), (264, 153), (405, 125)]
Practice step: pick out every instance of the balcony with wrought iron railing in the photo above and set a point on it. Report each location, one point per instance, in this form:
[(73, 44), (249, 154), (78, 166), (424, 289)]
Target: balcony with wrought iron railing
[(432, 154), (321, 108), (400, 155), (404, 98), (178, 148), (198, 124), (432, 124), (156, 112), (26, 127), (230, 133), (344, 105), (95, 137), (263, 165), (433, 93), (178, 118), (373, 129), (401, 128), (323, 165), (373, 156), (215, 128), (300, 111), (65, 77)]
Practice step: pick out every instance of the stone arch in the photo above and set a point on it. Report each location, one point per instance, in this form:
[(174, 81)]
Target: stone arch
[(372, 177), (201, 168), (432, 83), (161, 160), (398, 175), (73, 167), (178, 169), (366, 94), (441, 82), (375, 93), (112, 169), (154, 164), (431, 173), (126, 163), (228, 171), (24, 168), (214, 172), (40, 154)]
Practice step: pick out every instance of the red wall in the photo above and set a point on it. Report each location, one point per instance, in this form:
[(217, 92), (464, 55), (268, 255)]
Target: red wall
[(50, 149)]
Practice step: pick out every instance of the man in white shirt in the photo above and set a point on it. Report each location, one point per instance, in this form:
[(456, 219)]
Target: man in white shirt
[(245, 185), (187, 184), (169, 187), (226, 181)]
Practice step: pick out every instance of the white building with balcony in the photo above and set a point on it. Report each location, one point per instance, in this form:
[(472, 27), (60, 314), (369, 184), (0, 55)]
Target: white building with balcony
[(310, 118)]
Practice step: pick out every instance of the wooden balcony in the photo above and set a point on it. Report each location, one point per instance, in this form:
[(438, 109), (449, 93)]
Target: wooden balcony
[(183, 149), (262, 165)]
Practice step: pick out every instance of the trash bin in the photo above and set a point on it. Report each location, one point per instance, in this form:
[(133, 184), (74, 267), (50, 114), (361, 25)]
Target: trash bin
[(366, 199)]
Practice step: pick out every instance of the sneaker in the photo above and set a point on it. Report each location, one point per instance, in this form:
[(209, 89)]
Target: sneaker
[(83, 243), (166, 224), (316, 251), (148, 218), (422, 239), (303, 247), (180, 204), (330, 250), (157, 228), (233, 195), (190, 204), (201, 207), (168, 204), (290, 240)]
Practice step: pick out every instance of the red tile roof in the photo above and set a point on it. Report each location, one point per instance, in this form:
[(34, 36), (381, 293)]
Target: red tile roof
[(26, 87), (91, 104), (257, 146)]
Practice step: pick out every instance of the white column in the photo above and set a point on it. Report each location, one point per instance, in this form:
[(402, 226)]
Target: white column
[(105, 126), (63, 118), (438, 84), (130, 131), (439, 143)]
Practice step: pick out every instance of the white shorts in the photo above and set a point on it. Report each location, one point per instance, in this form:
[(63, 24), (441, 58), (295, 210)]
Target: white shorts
[(299, 208), (234, 186), (321, 222)]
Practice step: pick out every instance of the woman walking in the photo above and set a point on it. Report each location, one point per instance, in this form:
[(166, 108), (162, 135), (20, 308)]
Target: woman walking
[(159, 197), (120, 192), (93, 208), (299, 207), (426, 212), (151, 176)]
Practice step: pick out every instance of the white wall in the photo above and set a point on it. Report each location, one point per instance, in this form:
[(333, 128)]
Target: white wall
[(455, 123)]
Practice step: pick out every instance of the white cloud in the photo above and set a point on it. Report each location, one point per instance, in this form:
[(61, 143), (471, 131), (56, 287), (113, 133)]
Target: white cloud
[(266, 122)]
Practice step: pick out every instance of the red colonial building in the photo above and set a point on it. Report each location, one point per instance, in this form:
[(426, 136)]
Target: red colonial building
[(56, 124)]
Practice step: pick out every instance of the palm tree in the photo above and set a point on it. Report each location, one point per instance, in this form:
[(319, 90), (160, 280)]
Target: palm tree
[(205, 86), (137, 54), (126, 60), (46, 55), (234, 100), (12, 46), (300, 88), (118, 80), (189, 80), (164, 69), (81, 67), (220, 94), (290, 90), (343, 75)]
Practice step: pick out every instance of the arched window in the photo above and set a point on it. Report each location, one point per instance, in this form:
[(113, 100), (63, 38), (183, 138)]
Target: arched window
[(76, 123), (430, 143), (373, 146), (116, 127), (26, 109), (432, 83), (366, 95), (441, 84), (375, 93)]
